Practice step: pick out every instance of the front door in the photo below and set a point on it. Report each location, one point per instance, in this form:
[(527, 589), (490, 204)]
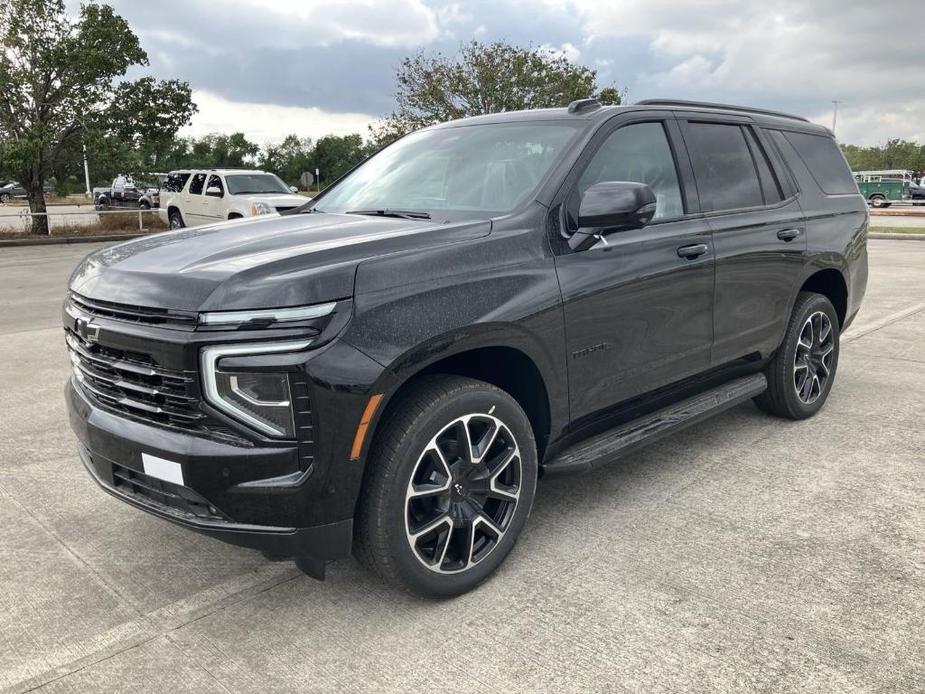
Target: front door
[(638, 308), (759, 235), (213, 200)]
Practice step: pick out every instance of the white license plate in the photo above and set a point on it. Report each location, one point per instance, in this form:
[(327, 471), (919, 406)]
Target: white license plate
[(165, 470)]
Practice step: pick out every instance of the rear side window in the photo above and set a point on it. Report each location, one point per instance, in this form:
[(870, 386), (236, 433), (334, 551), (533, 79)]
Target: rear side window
[(723, 166), (196, 185), (825, 162), (769, 186), (175, 182)]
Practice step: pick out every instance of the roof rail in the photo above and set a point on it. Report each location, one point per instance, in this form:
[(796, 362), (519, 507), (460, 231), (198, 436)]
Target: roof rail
[(722, 107), (584, 105)]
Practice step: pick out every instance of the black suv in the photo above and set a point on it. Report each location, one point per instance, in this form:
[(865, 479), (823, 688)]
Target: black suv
[(389, 369)]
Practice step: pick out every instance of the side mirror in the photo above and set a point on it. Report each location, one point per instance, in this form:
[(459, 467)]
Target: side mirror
[(293, 189), (215, 192), (611, 206)]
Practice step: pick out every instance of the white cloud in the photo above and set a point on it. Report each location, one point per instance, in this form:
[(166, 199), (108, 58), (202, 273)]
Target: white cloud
[(263, 123), (566, 50), (325, 22), (786, 52)]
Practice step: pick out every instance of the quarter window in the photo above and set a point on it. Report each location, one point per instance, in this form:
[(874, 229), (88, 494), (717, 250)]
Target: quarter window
[(175, 182), (825, 162), (724, 168), (639, 153)]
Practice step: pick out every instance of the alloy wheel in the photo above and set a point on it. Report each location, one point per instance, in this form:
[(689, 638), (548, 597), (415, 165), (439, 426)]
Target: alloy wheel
[(463, 493), (812, 363)]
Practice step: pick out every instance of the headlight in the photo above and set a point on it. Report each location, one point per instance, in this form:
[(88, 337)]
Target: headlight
[(266, 316), (260, 207), (260, 399)]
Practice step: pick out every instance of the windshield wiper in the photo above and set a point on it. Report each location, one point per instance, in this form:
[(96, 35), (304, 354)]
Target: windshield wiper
[(403, 214)]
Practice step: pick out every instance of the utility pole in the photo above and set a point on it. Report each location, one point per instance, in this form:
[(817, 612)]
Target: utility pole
[(835, 103), (87, 172)]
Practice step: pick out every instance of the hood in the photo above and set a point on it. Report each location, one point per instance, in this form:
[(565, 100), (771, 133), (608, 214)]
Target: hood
[(276, 200), (256, 262)]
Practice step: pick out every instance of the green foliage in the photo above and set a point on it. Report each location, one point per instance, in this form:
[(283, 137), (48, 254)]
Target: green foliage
[(895, 154), (59, 89), (485, 78)]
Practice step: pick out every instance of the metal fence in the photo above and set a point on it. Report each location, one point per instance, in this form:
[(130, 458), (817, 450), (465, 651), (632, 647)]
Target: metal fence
[(138, 220)]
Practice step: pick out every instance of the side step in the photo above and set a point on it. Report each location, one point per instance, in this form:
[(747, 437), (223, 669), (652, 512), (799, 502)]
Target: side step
[(610, 445)]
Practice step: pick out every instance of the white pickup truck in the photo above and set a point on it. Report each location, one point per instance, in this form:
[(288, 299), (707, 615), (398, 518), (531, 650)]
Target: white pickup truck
[(193, 197)]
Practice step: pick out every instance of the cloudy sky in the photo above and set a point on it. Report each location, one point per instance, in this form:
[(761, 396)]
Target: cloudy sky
[(271, 67)]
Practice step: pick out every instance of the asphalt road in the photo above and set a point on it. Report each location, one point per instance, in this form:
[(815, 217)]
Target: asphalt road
[(746, 554)]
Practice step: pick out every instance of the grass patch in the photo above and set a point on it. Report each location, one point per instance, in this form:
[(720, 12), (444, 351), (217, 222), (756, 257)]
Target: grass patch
[(897, 230), (106, 225)]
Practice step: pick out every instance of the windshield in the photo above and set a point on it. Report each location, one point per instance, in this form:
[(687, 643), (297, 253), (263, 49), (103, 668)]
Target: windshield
[(250, 184), (454, 172)]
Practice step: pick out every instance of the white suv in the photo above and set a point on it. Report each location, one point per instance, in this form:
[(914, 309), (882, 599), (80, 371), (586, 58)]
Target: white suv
[(193, 197)]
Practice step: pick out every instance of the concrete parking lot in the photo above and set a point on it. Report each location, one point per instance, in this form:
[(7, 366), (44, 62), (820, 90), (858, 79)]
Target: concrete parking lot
[(746, 554)]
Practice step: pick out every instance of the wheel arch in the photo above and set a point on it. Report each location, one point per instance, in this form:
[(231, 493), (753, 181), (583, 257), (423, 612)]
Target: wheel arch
[(830, 283), (508, 365)]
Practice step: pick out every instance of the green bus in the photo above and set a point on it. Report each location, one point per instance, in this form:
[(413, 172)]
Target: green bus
[(883, 188)]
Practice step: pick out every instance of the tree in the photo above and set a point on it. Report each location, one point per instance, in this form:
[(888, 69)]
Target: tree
[(335, 155), (59, 88), (485, 78), (289, 159), (895, 154)]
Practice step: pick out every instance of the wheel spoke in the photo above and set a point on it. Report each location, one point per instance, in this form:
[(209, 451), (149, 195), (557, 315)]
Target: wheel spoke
[(807, 388), (416, 491), (825, 331), (430, 527), (480, 449)]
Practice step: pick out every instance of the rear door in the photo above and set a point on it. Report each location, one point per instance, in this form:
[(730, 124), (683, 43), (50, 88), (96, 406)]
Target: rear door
[(638, 308), (192, 200), (759, 233), (213, 203)]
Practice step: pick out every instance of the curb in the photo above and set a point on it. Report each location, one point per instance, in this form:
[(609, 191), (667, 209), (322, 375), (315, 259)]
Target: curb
[(54, 241), (898, 213), (896, 237)]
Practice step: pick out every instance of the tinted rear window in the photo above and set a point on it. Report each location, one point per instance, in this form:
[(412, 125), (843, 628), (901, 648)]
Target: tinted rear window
[(724, 168), (825, 162)]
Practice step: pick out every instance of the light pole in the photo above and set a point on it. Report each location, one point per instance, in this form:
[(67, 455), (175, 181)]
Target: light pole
[(86, 169), (835, 103)]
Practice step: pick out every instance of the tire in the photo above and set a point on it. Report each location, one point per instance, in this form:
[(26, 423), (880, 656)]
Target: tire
[(4, 198), (175, 219), (878, 201), (144, 205), (800, 377), (475, 504)]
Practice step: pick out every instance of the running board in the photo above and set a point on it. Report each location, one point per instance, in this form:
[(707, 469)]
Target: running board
[(610, 445)]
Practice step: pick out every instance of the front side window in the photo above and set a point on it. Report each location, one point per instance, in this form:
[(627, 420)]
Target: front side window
[(255, 184), (460, 172), (215, 182), (723, 166), (638, 153)]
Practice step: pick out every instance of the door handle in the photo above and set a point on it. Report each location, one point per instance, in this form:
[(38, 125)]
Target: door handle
[(788, 234), (693, 251)]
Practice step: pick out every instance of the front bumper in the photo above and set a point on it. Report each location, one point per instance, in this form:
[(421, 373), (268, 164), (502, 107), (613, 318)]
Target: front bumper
[(111, 448)]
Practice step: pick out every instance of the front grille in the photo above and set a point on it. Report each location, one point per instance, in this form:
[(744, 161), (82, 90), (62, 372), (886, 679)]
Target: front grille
[(167, 318), (172, 498), (133, 384)]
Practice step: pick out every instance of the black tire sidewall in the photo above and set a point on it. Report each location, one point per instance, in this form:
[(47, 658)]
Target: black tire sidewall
[(173, 214), (474, 399), (811, 304)]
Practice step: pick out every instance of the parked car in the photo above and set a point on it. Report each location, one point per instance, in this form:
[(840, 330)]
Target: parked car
[(196, 197), (11, 190), (917, 194), (134, 194), (484, 302)]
